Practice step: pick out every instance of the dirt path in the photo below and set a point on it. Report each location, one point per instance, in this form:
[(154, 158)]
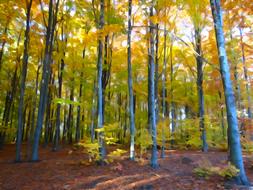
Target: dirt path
[(62, 171)]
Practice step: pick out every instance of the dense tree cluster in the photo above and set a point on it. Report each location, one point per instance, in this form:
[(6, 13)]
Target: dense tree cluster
[(146, 74)]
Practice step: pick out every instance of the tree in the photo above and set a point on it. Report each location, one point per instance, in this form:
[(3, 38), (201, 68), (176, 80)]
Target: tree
[(99, 83), (154, 163), (195, 8), (130, 82), (22, 82), (52, 18), (235, 153)]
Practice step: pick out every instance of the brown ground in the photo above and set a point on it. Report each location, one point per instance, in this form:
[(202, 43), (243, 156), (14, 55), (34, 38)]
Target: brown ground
[(63, 171)]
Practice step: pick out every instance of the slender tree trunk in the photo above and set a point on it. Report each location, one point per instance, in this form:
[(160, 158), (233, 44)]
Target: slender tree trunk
[(154, 163), (100, 86), (58, 108), (130, 82), (28, 126), (22, 83), (30, 139), (45, 76), (201, 110), (164, 90), (48, 114), (235, 145), (172, 104), (245, 71), (77, 137), (24, 122), (156, 72), (70, 117), (93, 113)]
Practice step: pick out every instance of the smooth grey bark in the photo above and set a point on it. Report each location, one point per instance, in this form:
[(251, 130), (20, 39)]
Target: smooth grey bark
[(130, 82), (93, 113), (201, 109), (30, 139), (106, 71), (235, 153), (48, 113), (22, 83), (78, 135), (156, 72), (70, 119), (245, 72), (61, 66), (153, 163), (172, 104), (164, 101), (52, 18), (58, 108), (100, 86)]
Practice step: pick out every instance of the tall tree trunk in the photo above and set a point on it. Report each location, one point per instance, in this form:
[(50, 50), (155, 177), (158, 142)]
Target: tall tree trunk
[(164, 97), (77, 137), (93, 113), (172, 104), (245, 71), (30, 139), (153, 163), (201, 110), (22, 83), (100, 86), (58, 108), (235, 149), (156, 72), (70, 117), (61, 66), (130, 82), (52, 18), (48, 113)]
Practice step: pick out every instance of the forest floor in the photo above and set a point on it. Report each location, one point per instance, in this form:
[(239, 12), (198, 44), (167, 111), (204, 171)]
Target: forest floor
[(63, 170)]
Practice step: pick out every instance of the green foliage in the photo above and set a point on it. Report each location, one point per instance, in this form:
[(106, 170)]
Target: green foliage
[(229, 171), (188, 134), (92, 149), (115, 155), (202, 172), (247, 144), (205, 169), (143, 140), (110, 132), (65, 101), (163, 133)]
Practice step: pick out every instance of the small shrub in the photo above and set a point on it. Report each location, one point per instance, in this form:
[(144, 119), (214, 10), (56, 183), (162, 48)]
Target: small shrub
[(229, 171), (206, 170)]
